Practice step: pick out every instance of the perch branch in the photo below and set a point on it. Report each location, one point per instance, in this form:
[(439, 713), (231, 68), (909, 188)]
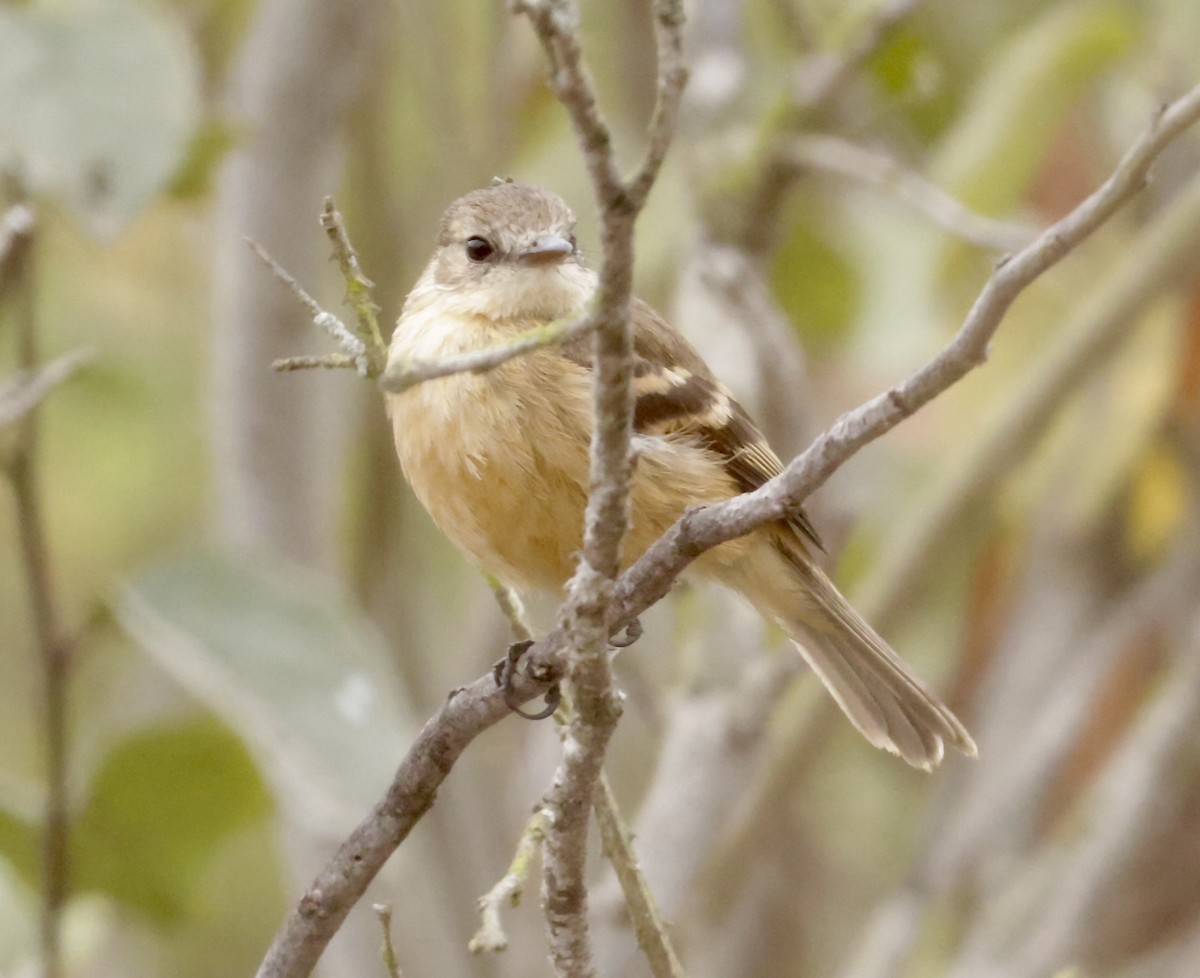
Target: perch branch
[(474, 708)]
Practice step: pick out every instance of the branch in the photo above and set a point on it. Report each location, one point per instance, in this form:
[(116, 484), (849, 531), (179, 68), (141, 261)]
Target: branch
[(585, 615), (1159, 254), (491, 936), (18, 231), (472, 709), (648, 925), (648, 580), (467, 712), (875, 169), (401, 376), (24, 391), (358, 290), (387, 950)]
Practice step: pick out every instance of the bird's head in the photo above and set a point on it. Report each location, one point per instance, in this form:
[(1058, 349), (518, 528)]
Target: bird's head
[(508, 252)]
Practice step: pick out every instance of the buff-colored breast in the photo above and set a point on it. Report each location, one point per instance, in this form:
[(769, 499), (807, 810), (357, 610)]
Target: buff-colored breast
[(500, 461)]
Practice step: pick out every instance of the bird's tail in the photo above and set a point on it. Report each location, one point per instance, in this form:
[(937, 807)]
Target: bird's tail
[(890, 706)]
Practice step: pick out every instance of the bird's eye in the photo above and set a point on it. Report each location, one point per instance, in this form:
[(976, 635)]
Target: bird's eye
[(574, 243), (479, 249)]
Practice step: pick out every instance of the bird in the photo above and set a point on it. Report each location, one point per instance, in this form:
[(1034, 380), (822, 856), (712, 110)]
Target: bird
[(500, 459)]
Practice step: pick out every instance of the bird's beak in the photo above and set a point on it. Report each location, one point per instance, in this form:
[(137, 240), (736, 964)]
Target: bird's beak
[(548, 249)]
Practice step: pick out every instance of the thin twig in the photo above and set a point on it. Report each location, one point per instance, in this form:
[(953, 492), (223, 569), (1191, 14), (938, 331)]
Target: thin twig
[(840, 156), (358, 291), (328, 361), (508, 890), (400, 376), (512, 609), (356, 353), (23, 392), (648, 924), (615, 837), (17, 273), (387, 952)]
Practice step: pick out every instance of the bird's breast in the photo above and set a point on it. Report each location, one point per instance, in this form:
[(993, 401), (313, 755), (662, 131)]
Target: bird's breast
[(500, 460)]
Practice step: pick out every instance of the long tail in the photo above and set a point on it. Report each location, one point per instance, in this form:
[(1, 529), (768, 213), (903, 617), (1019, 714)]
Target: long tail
[(875, 689)]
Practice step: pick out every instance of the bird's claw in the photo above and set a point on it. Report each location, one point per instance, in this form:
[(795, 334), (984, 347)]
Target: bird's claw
[(504, 672), (628, 635)]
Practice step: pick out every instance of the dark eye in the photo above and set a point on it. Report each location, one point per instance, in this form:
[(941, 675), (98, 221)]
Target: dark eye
[(479, 249)]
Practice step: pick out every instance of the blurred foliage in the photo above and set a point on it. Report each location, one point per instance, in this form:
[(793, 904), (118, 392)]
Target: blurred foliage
[(157, 809), (190, 831)]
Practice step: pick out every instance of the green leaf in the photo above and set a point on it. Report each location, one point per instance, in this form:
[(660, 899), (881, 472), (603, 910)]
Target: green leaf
[(161, 802), (97, 99), (284, 657)]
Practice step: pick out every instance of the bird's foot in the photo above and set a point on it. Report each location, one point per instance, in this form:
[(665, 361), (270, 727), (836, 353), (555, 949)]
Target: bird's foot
[(504, 672), (628, 635)]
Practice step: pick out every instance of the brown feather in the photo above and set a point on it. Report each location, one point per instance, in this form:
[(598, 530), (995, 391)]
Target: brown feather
[(677, 395)]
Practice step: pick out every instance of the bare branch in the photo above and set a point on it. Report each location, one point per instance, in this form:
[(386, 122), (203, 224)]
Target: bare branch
[(1160, 253), (648, 579), (358, 291), (843, 157), (23, 392), (648, 924), (615, 838), (310, 926), (18, 239), (330, 361), (355, 349), (491, 936), (388, 952), (399, 377), (585, 616)]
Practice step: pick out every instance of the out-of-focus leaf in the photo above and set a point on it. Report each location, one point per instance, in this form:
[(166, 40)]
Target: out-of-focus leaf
[(19, 845), (205, 151), (1092, 454), (18, 919), (282, 655), (815, 284), (1158, 502), (160, 803), (97, 98), (989, 157)]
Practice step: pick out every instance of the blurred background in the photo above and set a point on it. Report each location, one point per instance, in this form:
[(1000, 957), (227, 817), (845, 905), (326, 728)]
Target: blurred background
[(251, 616)]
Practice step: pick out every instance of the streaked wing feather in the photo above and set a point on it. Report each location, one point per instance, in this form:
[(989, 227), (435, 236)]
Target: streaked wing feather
[(677, 394)]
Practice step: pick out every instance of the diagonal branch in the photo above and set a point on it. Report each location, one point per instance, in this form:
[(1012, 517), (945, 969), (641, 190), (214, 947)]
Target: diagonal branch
[(648, 580), (472, 709)]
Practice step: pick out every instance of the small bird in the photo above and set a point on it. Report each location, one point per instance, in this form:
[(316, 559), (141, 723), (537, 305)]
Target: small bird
[(500, 459)]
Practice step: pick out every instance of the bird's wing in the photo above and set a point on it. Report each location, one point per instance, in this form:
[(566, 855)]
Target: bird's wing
[(677, 394)]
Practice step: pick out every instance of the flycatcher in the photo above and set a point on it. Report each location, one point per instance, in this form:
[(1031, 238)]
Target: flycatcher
[(500, 459)]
